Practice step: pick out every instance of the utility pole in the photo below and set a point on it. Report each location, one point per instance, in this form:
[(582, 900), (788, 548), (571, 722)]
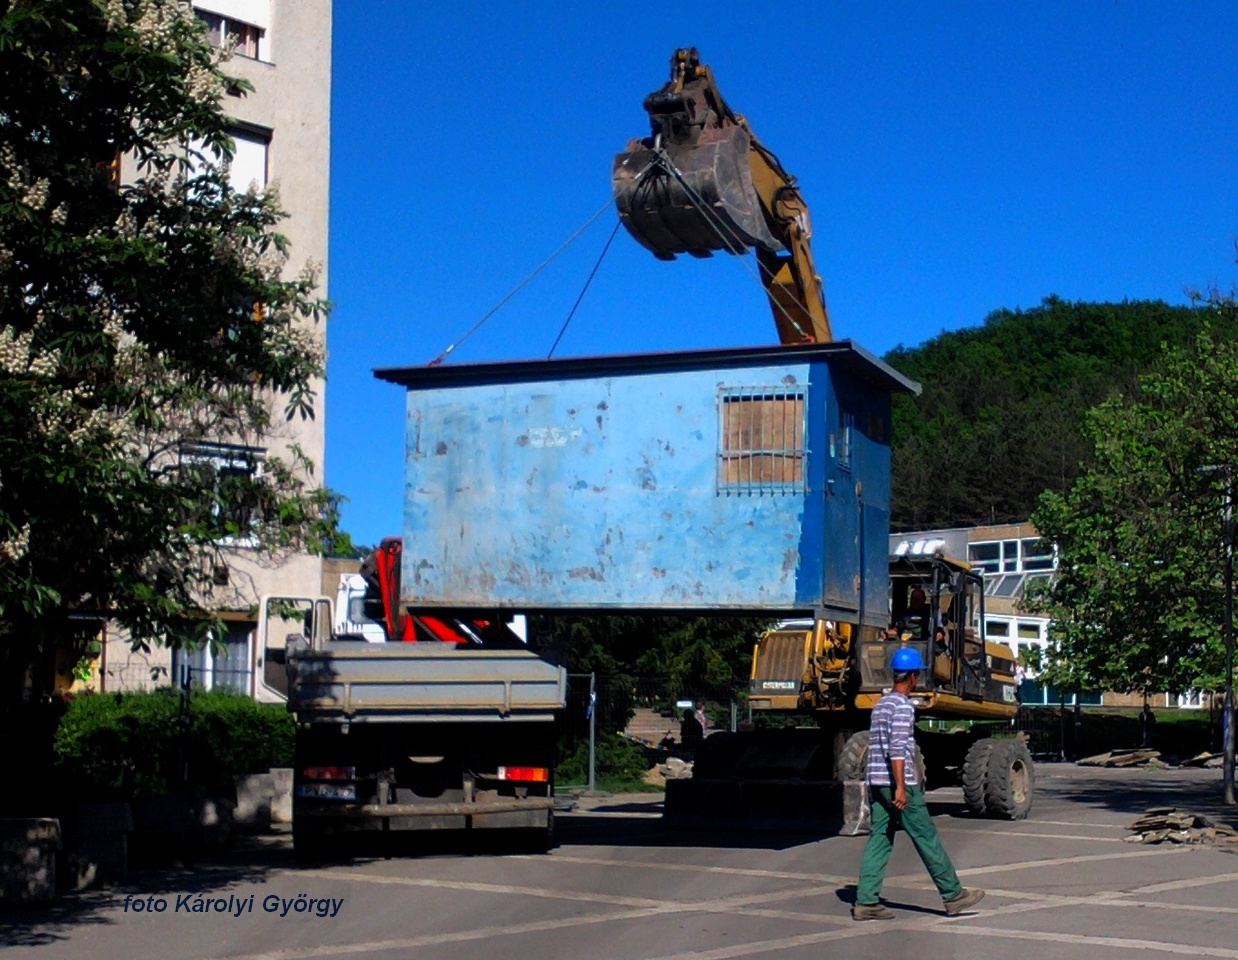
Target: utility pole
[(1227, 721), (1227, 708)]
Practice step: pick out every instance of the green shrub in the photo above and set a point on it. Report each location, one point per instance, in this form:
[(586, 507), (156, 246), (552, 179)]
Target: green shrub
[(621, 763), (117, 747)]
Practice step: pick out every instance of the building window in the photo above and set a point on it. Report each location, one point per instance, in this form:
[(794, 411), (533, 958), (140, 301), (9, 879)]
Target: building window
[(220, 31), (1011, 556), (996, 628), (248, 167), (1031, 629), (223, 665), (233, 468), (842, 445), (761, 447)]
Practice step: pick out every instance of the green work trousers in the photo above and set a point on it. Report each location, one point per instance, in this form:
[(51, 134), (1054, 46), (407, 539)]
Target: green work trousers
[(916, 821)]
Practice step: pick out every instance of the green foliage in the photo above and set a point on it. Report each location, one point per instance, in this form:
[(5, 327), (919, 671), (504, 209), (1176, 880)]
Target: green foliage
[(621, 764), (692, 653), (1001, 418), (117, 747), (1137, 600), (141, 316)]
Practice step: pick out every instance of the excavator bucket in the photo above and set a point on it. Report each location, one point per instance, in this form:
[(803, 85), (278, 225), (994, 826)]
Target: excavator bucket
[(692, 197)]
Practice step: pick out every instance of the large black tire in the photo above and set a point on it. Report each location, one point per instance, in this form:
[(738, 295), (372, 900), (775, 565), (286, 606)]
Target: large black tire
[(853, 759), (310, 847), (542, 839), (1012, 781), (976, 775)]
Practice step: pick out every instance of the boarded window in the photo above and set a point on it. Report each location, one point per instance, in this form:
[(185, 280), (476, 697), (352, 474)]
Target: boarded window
[(761, 448)]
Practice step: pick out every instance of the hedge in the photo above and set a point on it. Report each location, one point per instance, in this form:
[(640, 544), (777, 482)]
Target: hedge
[(113, 747)]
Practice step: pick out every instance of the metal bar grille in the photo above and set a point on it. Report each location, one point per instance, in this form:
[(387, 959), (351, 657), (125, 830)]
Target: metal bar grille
[(761, 441)]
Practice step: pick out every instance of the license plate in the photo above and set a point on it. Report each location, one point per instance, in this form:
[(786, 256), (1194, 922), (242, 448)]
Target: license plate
[(327, 791)]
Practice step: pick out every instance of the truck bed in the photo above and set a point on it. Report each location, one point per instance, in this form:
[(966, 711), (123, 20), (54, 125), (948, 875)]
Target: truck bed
[(409, 682)]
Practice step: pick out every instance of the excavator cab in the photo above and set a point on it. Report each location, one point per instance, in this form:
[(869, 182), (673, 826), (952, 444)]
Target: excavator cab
[(688, 187)]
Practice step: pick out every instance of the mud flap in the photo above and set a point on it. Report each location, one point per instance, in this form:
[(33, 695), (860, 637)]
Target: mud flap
[(857, 809)]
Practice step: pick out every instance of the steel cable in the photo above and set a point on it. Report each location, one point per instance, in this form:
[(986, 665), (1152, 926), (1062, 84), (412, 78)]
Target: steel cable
[(717, 224), (584, 290)]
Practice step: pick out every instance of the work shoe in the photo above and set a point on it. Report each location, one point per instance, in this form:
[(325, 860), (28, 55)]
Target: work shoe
[(968, 898), (871, 911)]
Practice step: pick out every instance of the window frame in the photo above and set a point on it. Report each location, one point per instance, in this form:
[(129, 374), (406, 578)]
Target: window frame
[(1003, 563), (220, 28), (229, 456), (780, 453)]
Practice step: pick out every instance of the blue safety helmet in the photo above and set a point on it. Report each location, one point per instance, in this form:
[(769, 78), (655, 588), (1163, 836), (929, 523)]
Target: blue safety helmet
[(906, 660)]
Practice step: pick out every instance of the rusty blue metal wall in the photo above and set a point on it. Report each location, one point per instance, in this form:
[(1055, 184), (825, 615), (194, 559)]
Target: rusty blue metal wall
[(559, 486)]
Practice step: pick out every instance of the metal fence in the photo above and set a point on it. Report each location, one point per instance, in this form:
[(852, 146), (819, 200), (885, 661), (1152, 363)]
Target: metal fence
[(646, 710), (1047, 730)]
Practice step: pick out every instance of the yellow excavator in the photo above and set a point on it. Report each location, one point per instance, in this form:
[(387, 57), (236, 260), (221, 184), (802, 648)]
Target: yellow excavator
[(702, 182)]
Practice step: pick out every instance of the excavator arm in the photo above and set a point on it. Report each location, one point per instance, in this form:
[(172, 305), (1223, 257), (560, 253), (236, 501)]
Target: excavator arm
[(703, 182)]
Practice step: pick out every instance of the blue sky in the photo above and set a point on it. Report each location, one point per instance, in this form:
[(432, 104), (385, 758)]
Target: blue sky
[(957, 158)]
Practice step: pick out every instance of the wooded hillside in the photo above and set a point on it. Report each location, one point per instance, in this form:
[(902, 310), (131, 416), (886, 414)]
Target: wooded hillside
[(1000, 418)]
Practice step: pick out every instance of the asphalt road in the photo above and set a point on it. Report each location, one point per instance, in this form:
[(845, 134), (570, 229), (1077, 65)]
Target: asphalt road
[(619, 885)]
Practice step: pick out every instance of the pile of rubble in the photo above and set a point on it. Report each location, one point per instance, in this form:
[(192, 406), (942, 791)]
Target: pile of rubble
[(1212, 761), (1171, 825), (672, 769), (1144, 757), (1122, 758)]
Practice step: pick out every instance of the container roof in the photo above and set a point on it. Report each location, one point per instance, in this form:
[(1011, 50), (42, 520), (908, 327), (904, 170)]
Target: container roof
[(841, 354)]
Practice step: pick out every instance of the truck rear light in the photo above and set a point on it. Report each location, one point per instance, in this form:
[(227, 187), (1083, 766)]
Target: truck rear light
[(525, 774), (329, 773)]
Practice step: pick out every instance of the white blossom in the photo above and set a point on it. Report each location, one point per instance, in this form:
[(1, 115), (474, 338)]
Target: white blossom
[(15, 547)]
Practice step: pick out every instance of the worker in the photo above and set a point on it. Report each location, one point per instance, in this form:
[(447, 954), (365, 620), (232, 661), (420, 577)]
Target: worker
[(916, 618), (897, 798)]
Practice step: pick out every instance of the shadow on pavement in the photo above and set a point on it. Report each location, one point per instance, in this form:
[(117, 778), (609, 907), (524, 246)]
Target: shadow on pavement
[(587, 829), (1134, 791), (247, 863)]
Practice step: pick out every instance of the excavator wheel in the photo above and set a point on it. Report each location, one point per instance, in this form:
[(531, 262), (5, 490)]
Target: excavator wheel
[(976, 775), (1011, 781), (853, 759)]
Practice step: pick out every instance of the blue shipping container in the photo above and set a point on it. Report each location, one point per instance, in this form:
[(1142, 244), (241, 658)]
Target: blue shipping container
[(744, 480)]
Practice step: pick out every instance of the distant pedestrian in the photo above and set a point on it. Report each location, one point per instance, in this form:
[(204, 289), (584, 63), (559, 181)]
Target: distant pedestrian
[(1147, 725), (690, 733), (701, 717), (898, 800)]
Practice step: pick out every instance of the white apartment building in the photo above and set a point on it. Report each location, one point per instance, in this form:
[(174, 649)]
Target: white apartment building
[(282, 135)]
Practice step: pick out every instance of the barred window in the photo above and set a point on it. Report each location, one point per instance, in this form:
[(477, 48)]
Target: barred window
[(762, 447)]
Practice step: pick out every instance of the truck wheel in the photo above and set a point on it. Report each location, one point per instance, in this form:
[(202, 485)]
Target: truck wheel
[(310, 847), (1012, 780), (547, 840), (536, 840), (976, 775), (853, 757)]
